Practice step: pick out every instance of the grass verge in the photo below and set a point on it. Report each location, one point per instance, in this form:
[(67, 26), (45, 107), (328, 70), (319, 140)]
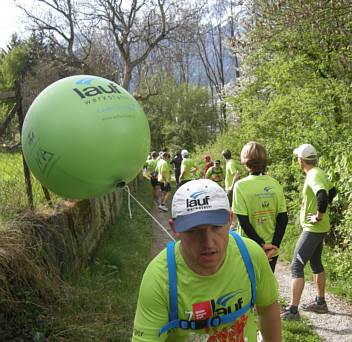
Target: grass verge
[(100, 303)]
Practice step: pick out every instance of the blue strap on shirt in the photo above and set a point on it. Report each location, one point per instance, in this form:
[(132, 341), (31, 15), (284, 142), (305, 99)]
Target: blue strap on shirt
[(175, 322)]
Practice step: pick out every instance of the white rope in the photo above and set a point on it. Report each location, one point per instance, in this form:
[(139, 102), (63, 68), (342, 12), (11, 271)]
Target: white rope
[(129, 201), (129, 208)]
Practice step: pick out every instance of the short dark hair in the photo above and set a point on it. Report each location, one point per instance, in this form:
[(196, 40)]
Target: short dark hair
[(226, 154), (313, 162)]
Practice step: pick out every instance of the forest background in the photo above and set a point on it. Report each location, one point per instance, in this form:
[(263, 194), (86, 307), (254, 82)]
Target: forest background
[(210, 75)]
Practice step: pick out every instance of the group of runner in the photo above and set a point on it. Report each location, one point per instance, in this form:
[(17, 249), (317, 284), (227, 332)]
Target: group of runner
[(201, 218), (159, 167)]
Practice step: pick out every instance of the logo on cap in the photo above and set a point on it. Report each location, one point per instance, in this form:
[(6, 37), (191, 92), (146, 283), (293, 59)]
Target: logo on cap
[(197, 194), (197, 203)]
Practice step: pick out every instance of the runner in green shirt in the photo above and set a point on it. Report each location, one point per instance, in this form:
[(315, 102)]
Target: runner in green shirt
[(318, 192), (164, 174), (212, 281), (216, 173), (188, 168), (149, 171), (259, 203), (231, 174)]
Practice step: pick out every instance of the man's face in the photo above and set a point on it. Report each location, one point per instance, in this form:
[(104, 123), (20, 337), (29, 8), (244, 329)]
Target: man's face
[(216, 165), (204, 247)]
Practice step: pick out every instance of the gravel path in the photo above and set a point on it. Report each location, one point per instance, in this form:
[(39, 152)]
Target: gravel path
[(335, 326)]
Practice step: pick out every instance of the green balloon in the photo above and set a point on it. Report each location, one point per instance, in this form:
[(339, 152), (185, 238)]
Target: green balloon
[(84, 136)]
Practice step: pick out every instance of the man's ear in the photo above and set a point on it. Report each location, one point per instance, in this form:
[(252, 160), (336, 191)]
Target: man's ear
[(231, 218), (172, 226)]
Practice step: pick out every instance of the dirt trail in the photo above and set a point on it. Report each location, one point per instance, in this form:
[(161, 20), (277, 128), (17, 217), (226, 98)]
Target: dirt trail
[(335, 326)]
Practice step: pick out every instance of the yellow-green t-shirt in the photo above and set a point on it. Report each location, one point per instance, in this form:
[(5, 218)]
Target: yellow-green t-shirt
[(187, 164), (261, 198), (231, 169), (163, 166), (151, 165), (215, 174), (202, 297), (316, 180)]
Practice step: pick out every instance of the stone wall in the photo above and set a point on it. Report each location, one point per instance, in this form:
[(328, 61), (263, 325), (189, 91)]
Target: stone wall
[(42, 247), (73, 234)]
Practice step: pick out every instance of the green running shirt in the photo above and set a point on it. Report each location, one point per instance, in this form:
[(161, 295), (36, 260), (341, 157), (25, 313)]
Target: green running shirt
[(187, 164), (202, 297), (215, 174), (231, 169), (163, 166), (316, 180), (260, 198), (151, 165)]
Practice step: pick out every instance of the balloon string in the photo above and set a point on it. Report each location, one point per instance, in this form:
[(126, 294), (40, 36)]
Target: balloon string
[(129, 208), (129, 201)]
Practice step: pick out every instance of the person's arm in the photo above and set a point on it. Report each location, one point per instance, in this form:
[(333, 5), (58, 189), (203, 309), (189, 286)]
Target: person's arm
[(270, 322), (163, 175), (194, 169), (268, 248), (322, 204), (249, 230), (280, 228), (234, 180), (209, 173), (331, 194), (152, 311)]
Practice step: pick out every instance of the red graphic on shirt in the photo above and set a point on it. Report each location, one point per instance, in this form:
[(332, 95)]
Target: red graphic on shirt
[(229, 334), (202, 310)]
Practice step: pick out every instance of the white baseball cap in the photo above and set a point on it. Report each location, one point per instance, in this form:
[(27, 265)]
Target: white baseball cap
[(306, 151), (184, 153), (198, 202)]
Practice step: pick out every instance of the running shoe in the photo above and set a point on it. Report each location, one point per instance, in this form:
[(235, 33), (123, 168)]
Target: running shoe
[(287, 315), (315, 307), (163, 208)]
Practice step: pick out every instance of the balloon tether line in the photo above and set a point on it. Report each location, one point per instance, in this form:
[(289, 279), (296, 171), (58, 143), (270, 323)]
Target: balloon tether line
[(129, 209)]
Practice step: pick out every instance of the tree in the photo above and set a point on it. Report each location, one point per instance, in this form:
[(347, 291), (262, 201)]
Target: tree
[(212, 39), (135, 28), (295, 88), (61, 23), (181, 116)]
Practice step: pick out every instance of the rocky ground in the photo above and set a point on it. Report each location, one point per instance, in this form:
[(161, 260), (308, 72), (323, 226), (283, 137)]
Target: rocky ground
[(335, 326)]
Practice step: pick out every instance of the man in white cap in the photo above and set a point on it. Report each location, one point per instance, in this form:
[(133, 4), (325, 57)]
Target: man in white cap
[(318, 192), (204, 287), (188, 168)]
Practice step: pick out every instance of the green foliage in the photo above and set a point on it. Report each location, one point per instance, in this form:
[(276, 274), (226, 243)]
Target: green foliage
[(13, 188), (181, 116), (13, 66), (25, 324), (295, 89)]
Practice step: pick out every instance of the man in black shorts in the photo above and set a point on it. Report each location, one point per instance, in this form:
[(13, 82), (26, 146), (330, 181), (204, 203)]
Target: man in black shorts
[(164, 175)]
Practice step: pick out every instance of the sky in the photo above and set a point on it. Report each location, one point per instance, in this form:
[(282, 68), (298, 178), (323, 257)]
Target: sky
[(10, 21)]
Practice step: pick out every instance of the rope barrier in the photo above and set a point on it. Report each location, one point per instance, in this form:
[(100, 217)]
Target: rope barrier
[(129, 209)]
